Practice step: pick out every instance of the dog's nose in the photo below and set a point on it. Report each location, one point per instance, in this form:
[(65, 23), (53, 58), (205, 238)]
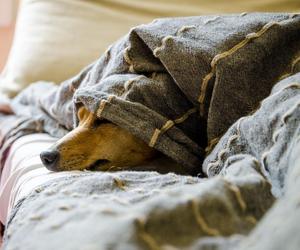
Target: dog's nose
[(50, 159)]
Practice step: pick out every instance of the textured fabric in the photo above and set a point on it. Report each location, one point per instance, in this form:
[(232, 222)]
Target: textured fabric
[(139, 83), (280, 228), (258, 159), (268, 135), (136, 210)]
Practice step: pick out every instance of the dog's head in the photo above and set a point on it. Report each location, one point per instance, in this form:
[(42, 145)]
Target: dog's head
[(96, 145)]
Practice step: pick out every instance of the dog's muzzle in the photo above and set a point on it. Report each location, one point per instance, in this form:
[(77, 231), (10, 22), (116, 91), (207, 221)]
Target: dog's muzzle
[(50, 159)]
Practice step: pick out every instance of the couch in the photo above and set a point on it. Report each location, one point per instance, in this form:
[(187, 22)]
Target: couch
[(136, 210)]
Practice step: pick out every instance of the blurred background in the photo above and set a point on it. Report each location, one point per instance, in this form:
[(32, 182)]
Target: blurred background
[(8, 11)]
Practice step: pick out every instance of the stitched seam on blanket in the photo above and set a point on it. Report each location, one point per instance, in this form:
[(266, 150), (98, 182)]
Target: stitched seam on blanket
[(251, 219), (212, 19), (226, 149), (169, 124), (102, 105), (184, 28), (181, 30), (128, 84), (212, 143), (201, 222), (119, 183), (164, 41), (276, 133), (107, 54), (128, 60), (146, 237), (237, 193), (249, 37), (287, 114), (294, 63)]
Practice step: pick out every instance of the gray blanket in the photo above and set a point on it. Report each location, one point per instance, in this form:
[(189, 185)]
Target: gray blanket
[(178, 84), (174, 82), (147, 210)]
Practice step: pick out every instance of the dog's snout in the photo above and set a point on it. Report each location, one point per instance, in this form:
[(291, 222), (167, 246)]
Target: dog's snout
[(50, 159)]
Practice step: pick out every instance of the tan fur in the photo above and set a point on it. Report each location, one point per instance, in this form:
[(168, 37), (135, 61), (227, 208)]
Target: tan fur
[(95, 140)]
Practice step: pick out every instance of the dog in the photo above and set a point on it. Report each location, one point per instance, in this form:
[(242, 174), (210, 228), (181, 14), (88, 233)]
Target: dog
[(96, 145)]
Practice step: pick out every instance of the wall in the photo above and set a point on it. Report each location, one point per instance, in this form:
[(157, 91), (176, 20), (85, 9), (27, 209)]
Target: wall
[(8, 9)]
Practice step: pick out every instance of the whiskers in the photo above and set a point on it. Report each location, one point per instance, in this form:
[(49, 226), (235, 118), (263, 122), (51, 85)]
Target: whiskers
[(73, 162)]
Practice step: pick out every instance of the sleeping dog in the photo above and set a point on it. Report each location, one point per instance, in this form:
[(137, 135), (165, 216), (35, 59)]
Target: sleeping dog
[(96, 145)]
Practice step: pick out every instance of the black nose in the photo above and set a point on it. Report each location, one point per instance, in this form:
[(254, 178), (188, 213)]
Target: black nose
[(49, 159)]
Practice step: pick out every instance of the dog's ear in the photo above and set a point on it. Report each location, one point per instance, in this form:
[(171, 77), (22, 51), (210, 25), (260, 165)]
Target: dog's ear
[(82, 112), (85, 117)]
